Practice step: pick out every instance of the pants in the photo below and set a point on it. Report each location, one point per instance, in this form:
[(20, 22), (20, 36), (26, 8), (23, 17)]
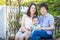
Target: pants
[(38, 34)]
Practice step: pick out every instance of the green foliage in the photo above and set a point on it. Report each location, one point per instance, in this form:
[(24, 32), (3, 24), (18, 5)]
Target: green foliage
[(2, 2), (54, 6)]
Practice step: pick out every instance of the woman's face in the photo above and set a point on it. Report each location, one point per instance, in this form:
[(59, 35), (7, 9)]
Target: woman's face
[(43, 10), (32, 9)]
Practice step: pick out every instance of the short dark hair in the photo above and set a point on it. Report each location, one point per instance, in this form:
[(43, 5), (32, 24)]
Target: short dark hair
[(44, 5), (34, 17), (28, 12)]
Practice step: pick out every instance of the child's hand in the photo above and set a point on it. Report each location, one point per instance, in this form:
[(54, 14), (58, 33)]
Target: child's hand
[(39, 28)]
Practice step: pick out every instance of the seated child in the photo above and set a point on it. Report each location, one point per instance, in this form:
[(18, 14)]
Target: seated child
[(35, 25)]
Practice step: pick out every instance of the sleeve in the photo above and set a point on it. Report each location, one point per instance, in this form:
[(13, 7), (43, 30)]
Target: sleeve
[(51, 20)]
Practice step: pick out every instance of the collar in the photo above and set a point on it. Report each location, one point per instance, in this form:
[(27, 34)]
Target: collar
[(46, 15)]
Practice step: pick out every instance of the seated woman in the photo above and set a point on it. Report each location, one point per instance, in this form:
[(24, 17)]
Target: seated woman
[(46, 21), (25, 31)]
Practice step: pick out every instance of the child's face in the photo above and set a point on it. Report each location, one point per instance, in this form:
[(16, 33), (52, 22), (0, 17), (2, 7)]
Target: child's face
[(35, 21)]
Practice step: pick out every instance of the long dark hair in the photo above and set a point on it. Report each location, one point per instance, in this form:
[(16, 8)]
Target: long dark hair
[(28, 12)]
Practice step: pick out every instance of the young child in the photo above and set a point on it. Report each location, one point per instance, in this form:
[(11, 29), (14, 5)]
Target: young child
[(35, 25)]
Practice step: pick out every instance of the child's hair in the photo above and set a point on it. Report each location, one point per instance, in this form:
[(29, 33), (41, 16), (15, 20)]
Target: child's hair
[(34, 17)]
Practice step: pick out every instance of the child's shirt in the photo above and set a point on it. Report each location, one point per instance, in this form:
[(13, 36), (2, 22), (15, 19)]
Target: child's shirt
[(35, 27)]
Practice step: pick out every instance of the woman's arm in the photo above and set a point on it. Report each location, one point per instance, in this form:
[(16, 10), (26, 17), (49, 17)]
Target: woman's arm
[(48, 28), (31, 28), (23, 23)]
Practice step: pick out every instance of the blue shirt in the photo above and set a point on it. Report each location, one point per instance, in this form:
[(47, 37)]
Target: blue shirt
[(46, 21)]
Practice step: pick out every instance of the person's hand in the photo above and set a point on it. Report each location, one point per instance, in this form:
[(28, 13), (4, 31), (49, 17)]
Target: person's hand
[(30, 29), (39, 28), (29, 32), (22, 29)]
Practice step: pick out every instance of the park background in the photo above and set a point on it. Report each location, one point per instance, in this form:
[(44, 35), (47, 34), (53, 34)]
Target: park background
[(11, 12)]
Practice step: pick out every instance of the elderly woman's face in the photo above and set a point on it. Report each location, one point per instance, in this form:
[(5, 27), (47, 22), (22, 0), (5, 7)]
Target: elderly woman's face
[(43, 10), (32, 9)]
